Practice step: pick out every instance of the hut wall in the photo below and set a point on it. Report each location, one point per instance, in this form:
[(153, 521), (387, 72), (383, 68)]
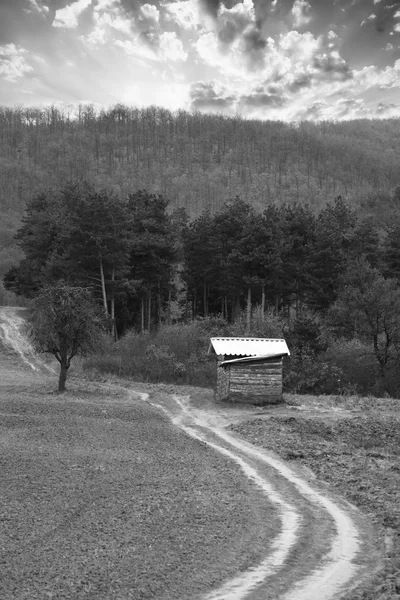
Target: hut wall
[(223, 375), (255, 383)]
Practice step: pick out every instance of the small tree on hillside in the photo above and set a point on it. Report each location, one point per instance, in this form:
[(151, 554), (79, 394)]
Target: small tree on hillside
[(65, 322)]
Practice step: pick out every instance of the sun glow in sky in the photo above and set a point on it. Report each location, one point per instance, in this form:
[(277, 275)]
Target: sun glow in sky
[(279, 59)]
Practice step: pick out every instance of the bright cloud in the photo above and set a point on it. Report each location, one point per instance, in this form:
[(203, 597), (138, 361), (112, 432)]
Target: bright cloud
[(165, 47), (67, 17), (108, 16), (150, 12), (12, 62), (185, 13), (170, 47), (301, 12), (39, 7)]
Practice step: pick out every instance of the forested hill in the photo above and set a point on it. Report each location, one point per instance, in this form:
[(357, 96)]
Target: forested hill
[(197, 161)]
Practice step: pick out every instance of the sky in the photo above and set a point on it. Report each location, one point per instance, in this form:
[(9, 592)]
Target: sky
[(267, 59)]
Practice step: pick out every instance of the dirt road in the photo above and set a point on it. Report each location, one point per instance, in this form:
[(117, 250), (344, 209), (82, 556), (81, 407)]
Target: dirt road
[(324, 546)]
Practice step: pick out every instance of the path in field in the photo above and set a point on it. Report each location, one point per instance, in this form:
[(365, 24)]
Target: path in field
[(314, 555), (13, 336), (299, 566)]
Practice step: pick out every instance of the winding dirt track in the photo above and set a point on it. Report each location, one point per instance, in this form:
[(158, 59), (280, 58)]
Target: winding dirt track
[(322, 549), (298, 566)]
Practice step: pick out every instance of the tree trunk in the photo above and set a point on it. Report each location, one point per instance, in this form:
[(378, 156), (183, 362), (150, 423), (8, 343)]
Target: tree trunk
[(248, 311), (63, 374), (142, 314), (159, 304), (113, 327), (149, 311), (262, 303), (169, 307), (103, 288), (205, 299), (236, 310)]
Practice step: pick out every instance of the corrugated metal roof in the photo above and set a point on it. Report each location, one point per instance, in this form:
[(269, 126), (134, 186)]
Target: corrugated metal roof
[(249, 346)]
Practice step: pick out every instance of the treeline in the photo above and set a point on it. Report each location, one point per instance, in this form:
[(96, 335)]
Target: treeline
[(329, 282), (198, 161)]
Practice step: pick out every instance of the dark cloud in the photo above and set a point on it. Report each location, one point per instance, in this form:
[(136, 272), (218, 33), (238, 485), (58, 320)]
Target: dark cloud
[(211, 7), (205, 97), (383, 108), (300, 83), (333, 66), (254, 47), (384, 15), (231, 25), (314, 112), (260, 98)]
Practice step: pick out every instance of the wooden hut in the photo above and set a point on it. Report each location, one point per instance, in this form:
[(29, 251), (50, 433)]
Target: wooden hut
[(249, 369)]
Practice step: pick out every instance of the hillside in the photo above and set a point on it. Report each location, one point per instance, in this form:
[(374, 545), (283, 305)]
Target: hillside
[(197, 161)]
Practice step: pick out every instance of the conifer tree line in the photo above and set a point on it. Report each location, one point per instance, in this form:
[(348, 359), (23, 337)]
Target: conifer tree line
[(147, 266), (142, 260)]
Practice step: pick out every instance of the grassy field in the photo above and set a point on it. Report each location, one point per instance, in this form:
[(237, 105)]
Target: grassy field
[(353, 445), (101, 497)]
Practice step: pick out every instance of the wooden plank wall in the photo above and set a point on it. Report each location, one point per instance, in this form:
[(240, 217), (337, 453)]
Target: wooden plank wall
[(223, 376), (256, 383)]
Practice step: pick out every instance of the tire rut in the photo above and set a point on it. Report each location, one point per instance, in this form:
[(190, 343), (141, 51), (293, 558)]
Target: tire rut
[(291, 570)]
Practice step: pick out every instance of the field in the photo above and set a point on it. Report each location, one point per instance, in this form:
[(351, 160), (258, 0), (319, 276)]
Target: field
[(101, 497)]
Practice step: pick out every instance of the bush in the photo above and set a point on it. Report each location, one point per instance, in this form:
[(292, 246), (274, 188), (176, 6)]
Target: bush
[(174, 354), (311, 374)]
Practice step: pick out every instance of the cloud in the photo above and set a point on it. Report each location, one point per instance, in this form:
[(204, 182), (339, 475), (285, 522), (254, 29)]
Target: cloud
[(185, 13), (261, 98), (211, 7), (212, 97), (67, 17), (12, 62), (39, 6), (301, 13), (155, 47), (108, 16), (372, 17), (332, 65), (170, 47), (149, 12)]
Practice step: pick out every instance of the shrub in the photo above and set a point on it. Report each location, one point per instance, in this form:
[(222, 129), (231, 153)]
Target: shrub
[(311, 374)]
